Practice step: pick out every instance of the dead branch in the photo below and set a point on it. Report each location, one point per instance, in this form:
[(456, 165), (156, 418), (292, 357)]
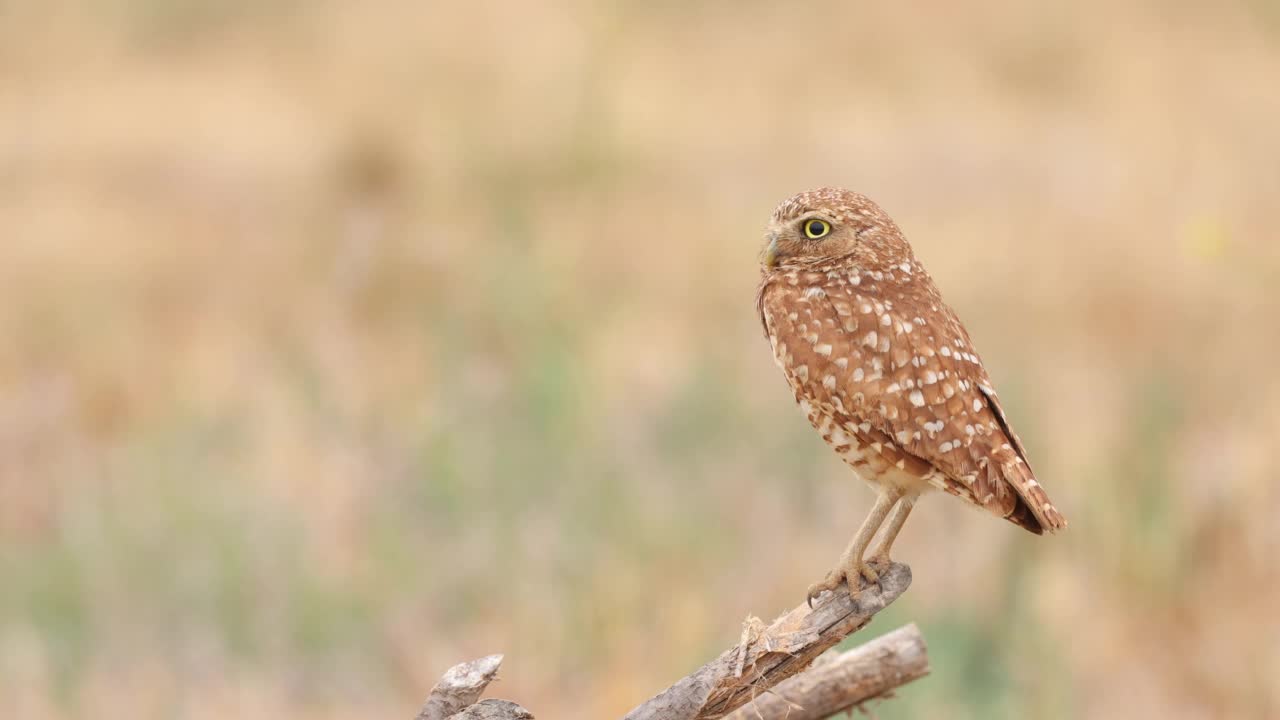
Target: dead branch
[(767, 669), (494, 710), (838, 682), (456, 694), (780, 651)]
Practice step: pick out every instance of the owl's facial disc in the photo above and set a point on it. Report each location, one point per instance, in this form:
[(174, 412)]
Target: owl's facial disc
[(802, 237)]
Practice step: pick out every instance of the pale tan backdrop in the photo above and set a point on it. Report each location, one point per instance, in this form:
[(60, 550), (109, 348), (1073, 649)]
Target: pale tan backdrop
[(340, 342)]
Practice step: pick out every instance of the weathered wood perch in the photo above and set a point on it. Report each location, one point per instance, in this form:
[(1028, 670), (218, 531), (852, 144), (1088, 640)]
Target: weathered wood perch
[(841, 681), (781, 650), (767, 672), (456, 694)]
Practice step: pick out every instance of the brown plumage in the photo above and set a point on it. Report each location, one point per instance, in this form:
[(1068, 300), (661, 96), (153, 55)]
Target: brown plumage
[(885, 371)]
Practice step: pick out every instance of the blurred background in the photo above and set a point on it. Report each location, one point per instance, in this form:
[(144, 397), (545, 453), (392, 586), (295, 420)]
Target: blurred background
[(342, 342)]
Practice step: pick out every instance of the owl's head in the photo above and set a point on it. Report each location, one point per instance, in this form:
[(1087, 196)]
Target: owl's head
[(828, 224)]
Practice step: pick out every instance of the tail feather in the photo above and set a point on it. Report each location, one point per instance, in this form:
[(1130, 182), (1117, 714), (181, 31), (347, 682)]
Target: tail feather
[(1024, 518), (1034, 510)]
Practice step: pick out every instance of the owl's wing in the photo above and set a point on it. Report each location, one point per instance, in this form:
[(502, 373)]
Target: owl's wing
[(953, 418), (899, 375)]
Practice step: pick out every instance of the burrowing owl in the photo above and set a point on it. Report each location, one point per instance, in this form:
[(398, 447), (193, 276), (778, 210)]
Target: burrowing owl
[(884, 370)]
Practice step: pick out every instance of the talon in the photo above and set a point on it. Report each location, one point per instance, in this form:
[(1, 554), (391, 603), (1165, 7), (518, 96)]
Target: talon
[(869, 574), (833, 580), (861, 571)]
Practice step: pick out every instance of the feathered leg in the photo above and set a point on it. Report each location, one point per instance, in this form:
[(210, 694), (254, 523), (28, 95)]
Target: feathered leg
[(881, 556), (851, 569)]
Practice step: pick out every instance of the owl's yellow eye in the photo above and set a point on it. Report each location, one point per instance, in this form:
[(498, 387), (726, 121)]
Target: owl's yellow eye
[(814, 229)]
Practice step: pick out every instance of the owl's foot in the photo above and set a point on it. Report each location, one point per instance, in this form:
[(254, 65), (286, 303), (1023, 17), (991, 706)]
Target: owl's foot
[(833, 580), (880, 561), (852, 577)]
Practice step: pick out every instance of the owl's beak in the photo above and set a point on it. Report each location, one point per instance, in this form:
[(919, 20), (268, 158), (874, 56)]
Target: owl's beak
[(770, 256)]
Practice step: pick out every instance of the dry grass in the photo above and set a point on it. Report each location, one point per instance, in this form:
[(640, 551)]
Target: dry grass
[(343, 342)]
